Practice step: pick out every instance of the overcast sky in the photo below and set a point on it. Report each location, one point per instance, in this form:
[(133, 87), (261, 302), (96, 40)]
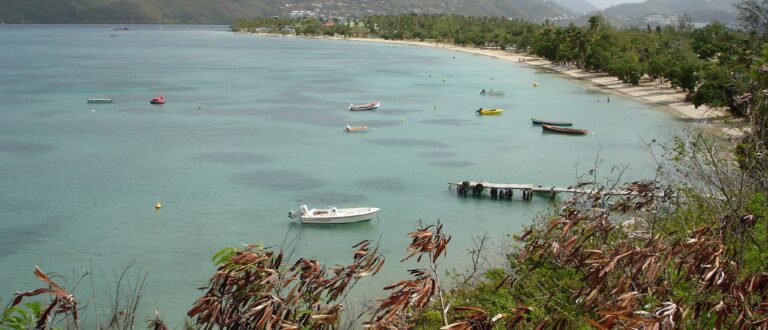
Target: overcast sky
[(602, 4)]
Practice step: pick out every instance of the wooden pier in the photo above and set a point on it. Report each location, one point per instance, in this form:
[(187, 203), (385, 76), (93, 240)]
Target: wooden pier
[(527, 191)]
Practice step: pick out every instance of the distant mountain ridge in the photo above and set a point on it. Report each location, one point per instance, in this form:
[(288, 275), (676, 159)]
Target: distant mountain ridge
[(577, 6), (225, 11), (700, 10)]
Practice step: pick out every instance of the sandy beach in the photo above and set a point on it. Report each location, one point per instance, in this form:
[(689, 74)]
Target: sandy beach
[(649, 91)]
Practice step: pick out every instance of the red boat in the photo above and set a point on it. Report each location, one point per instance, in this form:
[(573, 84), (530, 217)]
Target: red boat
[(564, 130), (158, 100)]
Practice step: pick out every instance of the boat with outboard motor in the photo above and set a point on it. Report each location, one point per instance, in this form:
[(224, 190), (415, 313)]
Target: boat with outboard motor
[(334, 215), (492, 92), (351, 129), (158, 100), (368, 106), (486, 112)]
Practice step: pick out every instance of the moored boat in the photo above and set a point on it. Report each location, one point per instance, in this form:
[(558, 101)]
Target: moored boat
[(486, 112), (550, 123), (351, 129), (492, 92), (563, 130), (158, 100), (334, 215), (368, 106), (98, 100)]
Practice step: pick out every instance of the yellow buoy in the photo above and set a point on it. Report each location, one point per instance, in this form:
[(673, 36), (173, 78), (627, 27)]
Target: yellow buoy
[(535, 84), (402, 120), (158, 206)]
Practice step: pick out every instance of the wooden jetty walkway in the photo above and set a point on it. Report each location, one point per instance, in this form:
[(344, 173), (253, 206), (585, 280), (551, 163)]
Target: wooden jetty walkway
[(507, 190)]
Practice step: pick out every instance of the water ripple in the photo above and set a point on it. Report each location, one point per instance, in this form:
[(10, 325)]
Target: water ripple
[(449, 122), (233, 157), (452, 163), (410, 143), (321, 199), (24, 148), (438, 154), (382, 184), (282, 180), (17, 237)]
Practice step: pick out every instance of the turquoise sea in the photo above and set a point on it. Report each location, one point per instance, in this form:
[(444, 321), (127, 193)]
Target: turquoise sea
[(253, 127)]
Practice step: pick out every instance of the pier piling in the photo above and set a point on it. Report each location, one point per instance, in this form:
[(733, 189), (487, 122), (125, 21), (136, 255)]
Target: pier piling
[(506, 190)]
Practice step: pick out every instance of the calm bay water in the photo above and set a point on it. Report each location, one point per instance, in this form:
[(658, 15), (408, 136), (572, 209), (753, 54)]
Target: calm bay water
[(253, 127)]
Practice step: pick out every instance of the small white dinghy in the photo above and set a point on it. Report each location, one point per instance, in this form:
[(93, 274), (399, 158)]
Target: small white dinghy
[(334, 215), (352, 129), (98, 100)]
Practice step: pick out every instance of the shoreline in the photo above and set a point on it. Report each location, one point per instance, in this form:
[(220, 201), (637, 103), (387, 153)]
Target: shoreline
[(648, 91)]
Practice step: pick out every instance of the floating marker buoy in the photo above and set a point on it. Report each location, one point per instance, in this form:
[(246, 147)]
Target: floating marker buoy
[(158, 206), (535, 84), (402, 120)]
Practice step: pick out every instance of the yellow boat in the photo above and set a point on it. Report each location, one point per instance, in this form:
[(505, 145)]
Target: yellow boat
[(484, 112)]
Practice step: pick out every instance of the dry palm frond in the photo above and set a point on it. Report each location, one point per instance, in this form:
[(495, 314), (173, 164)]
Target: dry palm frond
[(255, 289), (62, 302)]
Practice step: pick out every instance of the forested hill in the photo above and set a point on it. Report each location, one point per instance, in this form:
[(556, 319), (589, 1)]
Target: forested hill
[(578, 6), (225, 11), (699, 10)]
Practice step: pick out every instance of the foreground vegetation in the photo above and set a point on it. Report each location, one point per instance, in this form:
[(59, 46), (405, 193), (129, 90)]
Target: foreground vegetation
[(642, 262)]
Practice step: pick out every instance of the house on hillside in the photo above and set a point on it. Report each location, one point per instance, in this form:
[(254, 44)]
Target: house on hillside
[(297, 14)]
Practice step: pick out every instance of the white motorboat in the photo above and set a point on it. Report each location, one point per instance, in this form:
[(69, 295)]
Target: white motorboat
[(334, 215), (369, 106), (96, 100)]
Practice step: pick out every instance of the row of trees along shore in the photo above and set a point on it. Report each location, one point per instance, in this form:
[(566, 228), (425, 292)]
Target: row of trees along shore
[(718, 65), (688, 249)]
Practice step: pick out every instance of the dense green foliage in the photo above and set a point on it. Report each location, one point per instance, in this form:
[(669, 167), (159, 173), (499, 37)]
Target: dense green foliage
[(21, 317)]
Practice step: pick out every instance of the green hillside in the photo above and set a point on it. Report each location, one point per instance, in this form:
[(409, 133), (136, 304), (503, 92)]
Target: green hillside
[(225, 11), (578, 6), (700, 10)]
